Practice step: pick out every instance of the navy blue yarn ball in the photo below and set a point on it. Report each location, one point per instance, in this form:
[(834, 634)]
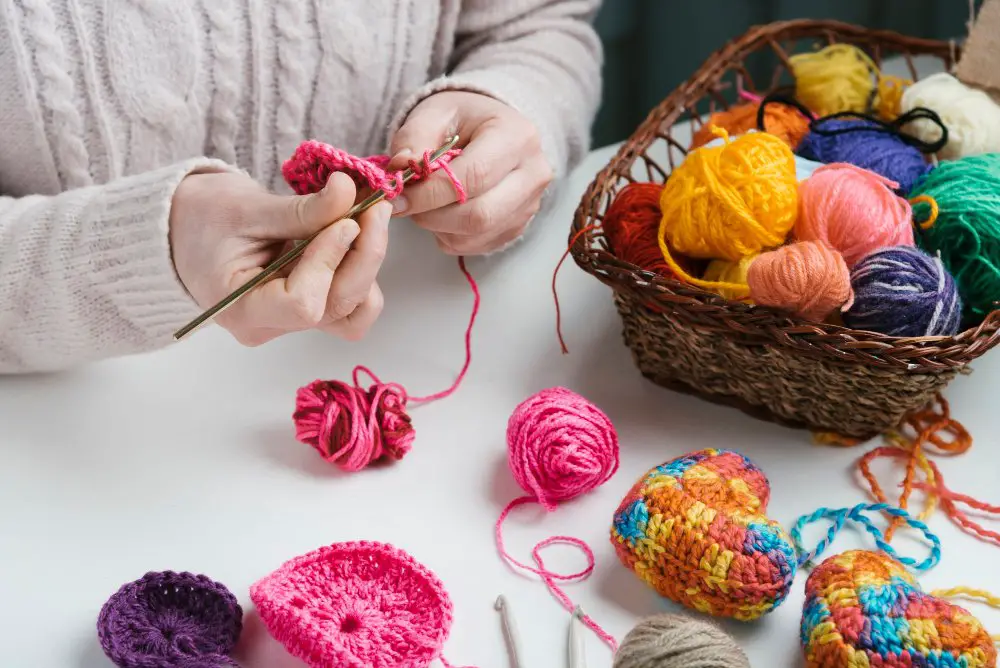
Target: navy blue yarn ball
[(878, 151), (903, 291)]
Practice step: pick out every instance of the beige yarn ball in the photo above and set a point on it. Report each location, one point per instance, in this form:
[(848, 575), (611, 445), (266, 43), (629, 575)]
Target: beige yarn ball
[(676, 641)]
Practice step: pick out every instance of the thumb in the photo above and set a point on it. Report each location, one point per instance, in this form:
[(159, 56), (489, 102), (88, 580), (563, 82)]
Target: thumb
[(298, 216), (426, 128)]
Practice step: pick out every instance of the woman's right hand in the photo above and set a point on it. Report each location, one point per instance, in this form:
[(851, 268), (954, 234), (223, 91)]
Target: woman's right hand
[(225, 228)]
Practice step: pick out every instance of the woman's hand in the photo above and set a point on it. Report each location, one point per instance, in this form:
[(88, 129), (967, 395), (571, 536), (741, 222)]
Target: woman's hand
[(501, 166), (225, 228)]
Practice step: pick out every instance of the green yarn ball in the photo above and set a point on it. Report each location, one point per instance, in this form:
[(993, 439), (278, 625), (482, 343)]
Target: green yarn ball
[(967, 230)]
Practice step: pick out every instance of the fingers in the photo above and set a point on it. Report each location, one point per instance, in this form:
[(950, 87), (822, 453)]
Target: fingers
[(356, 325), (490, 155), (424, 129), (492, 220), (299, 216), (298, 302), (352, 283)]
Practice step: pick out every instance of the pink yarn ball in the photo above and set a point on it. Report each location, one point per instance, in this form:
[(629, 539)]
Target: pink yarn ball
[(352, 427), (560, 446), (808, 278), (854, 210)]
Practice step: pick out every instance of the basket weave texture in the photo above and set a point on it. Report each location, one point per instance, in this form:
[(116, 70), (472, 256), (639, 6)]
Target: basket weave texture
[(823, 377)]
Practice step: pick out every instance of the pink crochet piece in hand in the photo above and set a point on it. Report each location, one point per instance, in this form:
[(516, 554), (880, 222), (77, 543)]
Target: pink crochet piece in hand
[(313, 162), (356, 605)]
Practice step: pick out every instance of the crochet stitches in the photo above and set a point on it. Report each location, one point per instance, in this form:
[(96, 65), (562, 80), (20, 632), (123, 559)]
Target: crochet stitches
[(313, 162), (864, 608), (694, 529), (356, 605), (170, 620)]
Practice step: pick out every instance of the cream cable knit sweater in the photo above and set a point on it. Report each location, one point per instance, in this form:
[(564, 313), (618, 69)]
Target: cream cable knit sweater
[(106, 105)]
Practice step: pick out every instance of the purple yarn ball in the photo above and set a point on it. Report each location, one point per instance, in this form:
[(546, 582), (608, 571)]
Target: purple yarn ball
[(902, 291), (170, 620), (877, 151)]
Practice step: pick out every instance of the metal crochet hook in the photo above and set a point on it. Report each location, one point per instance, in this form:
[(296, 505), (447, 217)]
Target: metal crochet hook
[(272, 269), (510, 631), (575, 652)]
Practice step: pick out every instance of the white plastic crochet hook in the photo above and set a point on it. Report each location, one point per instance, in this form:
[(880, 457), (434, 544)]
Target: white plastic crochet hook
[(510, 631), (577, 658)]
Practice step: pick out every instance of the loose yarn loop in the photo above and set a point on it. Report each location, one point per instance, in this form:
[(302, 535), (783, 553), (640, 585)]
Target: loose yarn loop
[(854, 211), (902, 291), (560, 446), (359, 604), (788, 124), (807, 278), (169, 619), (932, 426), (840, 77), (966, 233), (840, 516), (971, 115), (675, 641), (349, 425), (728, 202)]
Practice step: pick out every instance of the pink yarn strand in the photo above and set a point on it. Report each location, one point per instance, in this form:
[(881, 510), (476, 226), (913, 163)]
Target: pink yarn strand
[(551, 578), (349, 425)]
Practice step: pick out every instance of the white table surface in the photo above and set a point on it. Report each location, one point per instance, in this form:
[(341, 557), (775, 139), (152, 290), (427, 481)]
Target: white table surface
[(186, 460)]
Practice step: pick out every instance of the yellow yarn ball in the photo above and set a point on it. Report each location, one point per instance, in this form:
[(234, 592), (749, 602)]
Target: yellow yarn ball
[(890, 96), (730, 201), (726, 271), (839, 78)]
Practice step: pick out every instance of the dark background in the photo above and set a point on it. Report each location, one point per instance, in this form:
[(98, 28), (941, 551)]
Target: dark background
[(651, 46)]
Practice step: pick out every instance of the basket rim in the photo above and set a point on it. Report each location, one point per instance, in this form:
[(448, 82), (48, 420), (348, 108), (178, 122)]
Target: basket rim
[(759, 325)]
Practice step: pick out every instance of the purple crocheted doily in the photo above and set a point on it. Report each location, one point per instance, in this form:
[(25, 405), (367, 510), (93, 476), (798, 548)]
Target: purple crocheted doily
[(171, 620)]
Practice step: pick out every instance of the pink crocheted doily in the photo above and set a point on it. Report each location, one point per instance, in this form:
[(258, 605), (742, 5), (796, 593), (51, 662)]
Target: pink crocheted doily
[(356, 605)]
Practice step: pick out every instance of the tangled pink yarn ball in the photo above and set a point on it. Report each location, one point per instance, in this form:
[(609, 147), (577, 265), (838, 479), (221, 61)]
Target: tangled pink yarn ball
[(807, 278), (560, 445), (352, 427), (854, 210)]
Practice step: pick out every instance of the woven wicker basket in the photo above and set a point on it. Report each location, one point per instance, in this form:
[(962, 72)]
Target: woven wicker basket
[(804, 374)]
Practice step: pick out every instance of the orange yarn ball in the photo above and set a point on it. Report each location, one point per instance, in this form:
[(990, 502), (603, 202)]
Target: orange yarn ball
[(631, 225), (853, 210), (808, 278), (782, 121)]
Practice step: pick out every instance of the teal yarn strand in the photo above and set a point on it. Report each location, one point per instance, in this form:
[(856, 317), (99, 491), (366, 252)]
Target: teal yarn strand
[(966, 233), (856, 514)]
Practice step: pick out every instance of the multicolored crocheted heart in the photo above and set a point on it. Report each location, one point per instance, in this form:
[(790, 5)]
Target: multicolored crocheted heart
[(356, 605), (865, 609), (695, 530)]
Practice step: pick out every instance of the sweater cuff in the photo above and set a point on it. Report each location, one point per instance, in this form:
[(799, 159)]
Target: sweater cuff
[(129, 255)]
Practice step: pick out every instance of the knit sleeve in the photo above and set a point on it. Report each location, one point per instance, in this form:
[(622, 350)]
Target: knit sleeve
[(88, 274), (542, 57)]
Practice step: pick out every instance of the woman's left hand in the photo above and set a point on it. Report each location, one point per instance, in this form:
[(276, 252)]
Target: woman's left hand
[(502, 168)]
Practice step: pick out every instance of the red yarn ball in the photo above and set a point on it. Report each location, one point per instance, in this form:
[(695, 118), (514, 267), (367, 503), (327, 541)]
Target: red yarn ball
[(352, 427), (631, 226)]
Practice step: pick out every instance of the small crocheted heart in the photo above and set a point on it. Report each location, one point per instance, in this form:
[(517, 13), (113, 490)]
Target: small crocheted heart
[(864, 608), (695, 530), (356, 605), (170, 620)]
